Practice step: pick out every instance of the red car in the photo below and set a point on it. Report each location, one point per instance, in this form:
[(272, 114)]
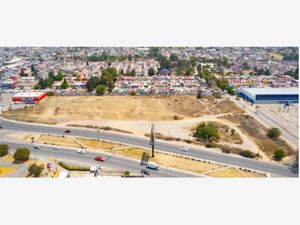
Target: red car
[(99, 158)]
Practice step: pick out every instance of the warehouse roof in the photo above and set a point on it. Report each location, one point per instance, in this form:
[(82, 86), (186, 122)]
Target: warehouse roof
[(270, 91)]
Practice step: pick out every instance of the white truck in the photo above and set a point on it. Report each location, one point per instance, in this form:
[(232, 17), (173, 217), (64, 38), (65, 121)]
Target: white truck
[(152, 165)]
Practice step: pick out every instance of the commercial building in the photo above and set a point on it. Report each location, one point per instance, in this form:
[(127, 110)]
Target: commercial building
[(270, 95), (28, 97), (8, 84)]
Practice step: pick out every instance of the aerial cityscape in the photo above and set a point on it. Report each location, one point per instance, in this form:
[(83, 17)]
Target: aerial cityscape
[(143, 112)]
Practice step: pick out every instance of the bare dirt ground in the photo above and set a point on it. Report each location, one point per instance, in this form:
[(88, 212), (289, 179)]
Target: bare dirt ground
[(59, 109), (173, 115), (57, 140), (276, 55), (97, 144), (257, 132)]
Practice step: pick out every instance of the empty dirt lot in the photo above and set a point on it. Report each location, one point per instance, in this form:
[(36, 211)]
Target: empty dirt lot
[(60, 109)]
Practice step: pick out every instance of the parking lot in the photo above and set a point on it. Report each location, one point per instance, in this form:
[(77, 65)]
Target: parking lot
[(6, 102), (285, 117)]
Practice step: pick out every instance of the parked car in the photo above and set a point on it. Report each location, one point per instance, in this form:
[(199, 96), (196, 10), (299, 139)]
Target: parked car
[(0, 127), (184, 149), (99, 158), (67, 131), (80, 151)]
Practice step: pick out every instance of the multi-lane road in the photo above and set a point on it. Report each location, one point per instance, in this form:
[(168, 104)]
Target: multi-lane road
[(197, 152), (113, 163)]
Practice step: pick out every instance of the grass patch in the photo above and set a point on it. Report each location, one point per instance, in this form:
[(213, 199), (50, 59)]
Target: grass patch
[(6, 170), (73, 167)]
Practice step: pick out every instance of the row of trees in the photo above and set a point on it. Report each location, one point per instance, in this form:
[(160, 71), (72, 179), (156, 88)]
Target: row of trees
[(183, 67), (106, 82), (293, 73), (48, 82), (262, 71), (22, 155), (104, 57), (293, 56), (213, 82)]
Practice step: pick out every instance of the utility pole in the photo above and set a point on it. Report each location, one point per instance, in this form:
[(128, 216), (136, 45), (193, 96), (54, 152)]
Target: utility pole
[(152, 139)]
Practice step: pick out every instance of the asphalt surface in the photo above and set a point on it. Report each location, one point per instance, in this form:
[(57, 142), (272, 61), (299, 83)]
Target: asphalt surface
[(293, 139), (286, 171), (88, 158)]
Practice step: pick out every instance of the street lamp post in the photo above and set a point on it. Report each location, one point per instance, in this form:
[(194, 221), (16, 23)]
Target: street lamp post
[(152, 139)]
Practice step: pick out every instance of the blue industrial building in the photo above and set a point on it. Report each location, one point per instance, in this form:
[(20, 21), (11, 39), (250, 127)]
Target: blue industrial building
[(270, 95)]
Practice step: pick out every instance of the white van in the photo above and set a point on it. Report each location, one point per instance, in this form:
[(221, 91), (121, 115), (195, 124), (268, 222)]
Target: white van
[(152, 165)]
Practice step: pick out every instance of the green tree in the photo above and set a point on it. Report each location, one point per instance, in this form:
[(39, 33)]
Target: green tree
[(127, 173), (279, 154), (199, 94), (51, 74), (32, 68), (64, 84), (153, 51), (42, 83), (3, 149), (189, 71), (173, 58), (247, 154), (132, 73), (207, 132), (222, 84), (230, 90), (163, 62), (108, 78), (21, 154), (232, 132), (129, 57), (92, 83), (36, 170), (59, 76), (151, 71), (100, 89), (49, 82), (50, 93), (273, 132)]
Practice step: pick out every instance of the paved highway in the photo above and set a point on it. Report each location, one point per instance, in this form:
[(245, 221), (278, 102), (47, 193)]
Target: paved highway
[(160, 145), (88, 158)]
